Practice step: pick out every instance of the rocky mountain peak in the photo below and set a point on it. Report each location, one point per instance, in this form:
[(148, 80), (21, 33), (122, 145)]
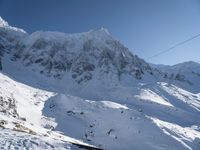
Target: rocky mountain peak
[(3, 23), (83, 55)]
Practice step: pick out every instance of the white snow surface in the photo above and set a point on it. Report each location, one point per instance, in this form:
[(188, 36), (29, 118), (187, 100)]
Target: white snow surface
[(4, 24), (58, 89)]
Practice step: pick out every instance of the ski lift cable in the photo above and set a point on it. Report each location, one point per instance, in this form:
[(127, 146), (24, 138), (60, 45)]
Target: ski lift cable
[(174, 46)]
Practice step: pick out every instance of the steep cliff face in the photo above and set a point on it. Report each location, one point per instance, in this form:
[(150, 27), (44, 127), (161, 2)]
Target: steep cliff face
[(0, 64), (81, 55), (2, 48)]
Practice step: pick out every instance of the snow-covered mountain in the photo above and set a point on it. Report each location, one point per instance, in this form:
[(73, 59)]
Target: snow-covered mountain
[(56, 88), (183, 71)]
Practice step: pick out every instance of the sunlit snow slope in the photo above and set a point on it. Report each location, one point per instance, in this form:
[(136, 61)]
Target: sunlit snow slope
[(56, 88)]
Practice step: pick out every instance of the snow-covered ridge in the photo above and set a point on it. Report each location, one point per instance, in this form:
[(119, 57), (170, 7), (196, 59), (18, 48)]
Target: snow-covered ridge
[(4, 24), (82, 55), (183, 67), (59, 87), (188, 72)]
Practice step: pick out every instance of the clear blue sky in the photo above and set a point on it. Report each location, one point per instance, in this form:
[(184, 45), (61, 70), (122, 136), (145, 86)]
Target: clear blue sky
[(144, 26)]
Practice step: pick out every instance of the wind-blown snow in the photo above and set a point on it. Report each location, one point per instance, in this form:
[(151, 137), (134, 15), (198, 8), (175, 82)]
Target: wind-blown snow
[(110, 104), (183, 135), (188, 98), (147, 94)]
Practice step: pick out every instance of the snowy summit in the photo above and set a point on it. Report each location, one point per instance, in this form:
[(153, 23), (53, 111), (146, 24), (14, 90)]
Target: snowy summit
[(87, 90), (3, 23)]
